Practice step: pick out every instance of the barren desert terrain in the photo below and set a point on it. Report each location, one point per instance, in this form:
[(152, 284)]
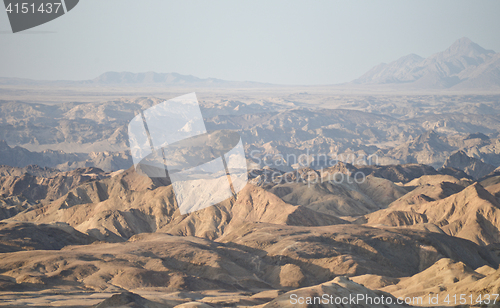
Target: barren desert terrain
[(382, 187)]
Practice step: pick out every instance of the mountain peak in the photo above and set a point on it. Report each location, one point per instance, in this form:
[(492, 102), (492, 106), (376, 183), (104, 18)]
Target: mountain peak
[(477, 191), (465, 47), (4, 145), (413, 56), (470, 165), (463, 41), (427, 136)]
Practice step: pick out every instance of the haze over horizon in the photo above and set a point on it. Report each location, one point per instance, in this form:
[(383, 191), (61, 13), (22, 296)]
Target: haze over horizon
[(324, 43), (464, 65)]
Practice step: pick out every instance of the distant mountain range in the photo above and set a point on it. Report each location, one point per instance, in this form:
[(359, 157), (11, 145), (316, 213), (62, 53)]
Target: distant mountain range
[(174, 79), (139, 79), (150, 77), (464, 65)]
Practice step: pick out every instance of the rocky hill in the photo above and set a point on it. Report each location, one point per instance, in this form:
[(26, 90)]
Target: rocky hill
[(463, 65), (472, 166), (470, 213)]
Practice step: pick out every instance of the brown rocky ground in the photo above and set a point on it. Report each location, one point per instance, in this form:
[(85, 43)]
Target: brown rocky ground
[(118, 240)]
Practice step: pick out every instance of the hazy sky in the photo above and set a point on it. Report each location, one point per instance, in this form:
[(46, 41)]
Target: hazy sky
[(287, 42)]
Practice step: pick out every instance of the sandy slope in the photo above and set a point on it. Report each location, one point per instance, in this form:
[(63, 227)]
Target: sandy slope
[(472, 213)]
